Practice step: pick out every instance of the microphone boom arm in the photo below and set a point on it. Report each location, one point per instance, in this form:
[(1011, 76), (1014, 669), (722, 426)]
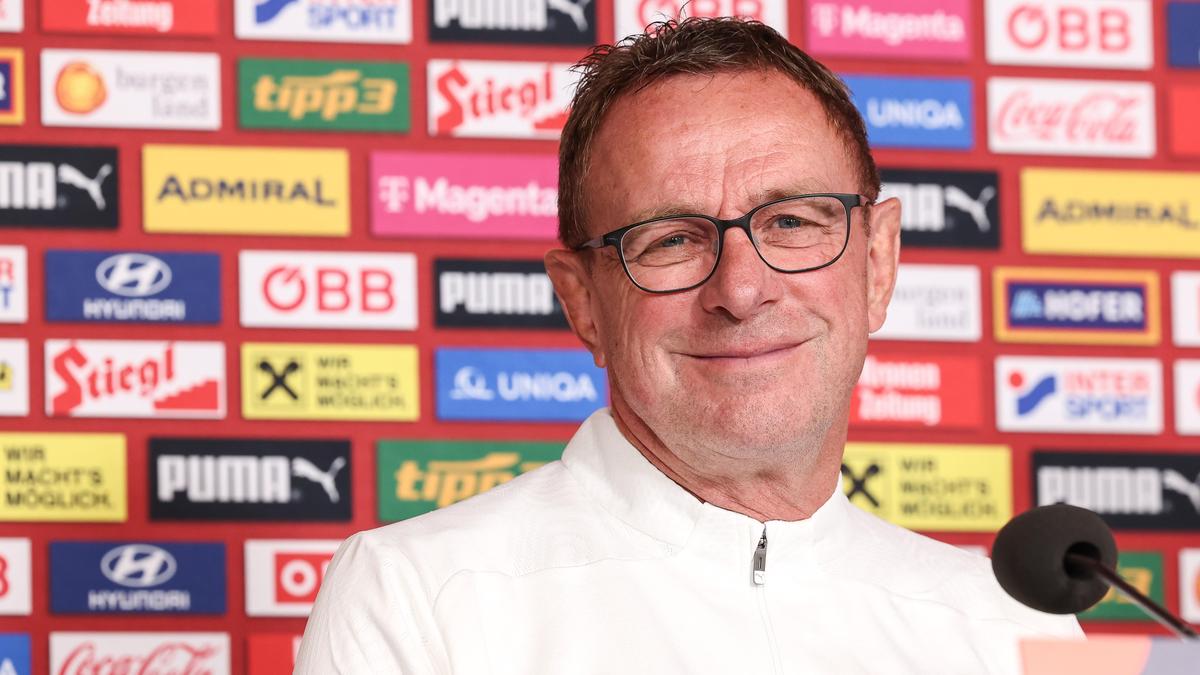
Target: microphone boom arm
[(1092, 566)]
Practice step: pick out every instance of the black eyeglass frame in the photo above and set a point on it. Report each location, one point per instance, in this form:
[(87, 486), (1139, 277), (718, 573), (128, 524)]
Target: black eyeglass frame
[(614, 238)]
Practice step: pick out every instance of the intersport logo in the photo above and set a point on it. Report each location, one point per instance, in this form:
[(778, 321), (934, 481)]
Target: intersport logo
[(137, 577), (914, 112), (919, 29), (131, 17), (934, 302), (14, 377), (422, 194), (1187, 397), (1185, 308), (1071, 117), (112, 286), (230, 479), (145, 653), (518, 384), (127, 89), (515, 21), (632, 16), (498, 99), (1079, 395), (955, 209), (1131, 490), (1083, 306), (345, 290), (284, 575), (14, 285), (915, 392), (489, 293), (1070, 33), (135, 378), (57, 186), (367, 21)]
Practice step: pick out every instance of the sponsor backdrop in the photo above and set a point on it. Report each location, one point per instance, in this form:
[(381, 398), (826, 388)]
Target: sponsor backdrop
[(270, 274)]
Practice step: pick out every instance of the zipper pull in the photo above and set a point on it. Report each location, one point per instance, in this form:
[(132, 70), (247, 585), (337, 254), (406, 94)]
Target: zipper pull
[(760, 560)]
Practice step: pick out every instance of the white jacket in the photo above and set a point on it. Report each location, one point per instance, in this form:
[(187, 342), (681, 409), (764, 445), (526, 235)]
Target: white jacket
[(601, 564)]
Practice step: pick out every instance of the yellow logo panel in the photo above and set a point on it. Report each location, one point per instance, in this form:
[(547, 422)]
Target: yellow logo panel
[(294, 381), (245, 190), (63, 477), (1121, 213), (933, 488)]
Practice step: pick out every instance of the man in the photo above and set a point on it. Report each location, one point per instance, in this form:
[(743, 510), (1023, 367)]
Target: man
[(725, 261)]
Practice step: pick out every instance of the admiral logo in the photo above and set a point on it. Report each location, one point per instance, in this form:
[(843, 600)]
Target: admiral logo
[(62, 477), (119, 287), (303, 289), (1185, 308), (1070, 33), (464, 195), (929, 29), (1141, 569), (14, 284), (135, 378), (14, 377), (1121, 213), (930, 113), (1076, 306), (323, 95), (416, 477), (15, 650), (1130, 490), (245, 190), (1183, 41), (120, 578), (128, 89), (16, 581), (1189, 584), (1187, 397), (632, 16), (211, 479), (955, 209), (12, 84), (157, 652), (517, 21), (934, 302), (1079, 395), (131, 17), (498, 99), (12, 19), (918, 392), (272, 653), (366, 21), (1071, 117), (495, 294), (56, 186), (1182, 101), (518, 384), (284, 575)]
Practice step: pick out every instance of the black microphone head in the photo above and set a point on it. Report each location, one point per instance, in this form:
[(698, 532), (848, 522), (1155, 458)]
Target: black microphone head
[(1028, 558)]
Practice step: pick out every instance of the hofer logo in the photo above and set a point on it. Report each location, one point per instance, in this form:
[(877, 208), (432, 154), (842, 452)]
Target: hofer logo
[(422, 194), (157, 652), (284, 575), (913, 112), (370, 21), (1070, 33), (135, 378), (498, 99), (634, 15), (919, 29), (132, 286), (1076, 306), (131, 17), (114, 577), (1079, 395), (558, 385), (918, 392)]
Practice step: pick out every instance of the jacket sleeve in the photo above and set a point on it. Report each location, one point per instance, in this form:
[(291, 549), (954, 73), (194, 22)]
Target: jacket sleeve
[(371, 616)]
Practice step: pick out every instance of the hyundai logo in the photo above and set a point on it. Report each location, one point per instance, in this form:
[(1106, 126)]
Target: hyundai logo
[(133, 275), (138, 565)]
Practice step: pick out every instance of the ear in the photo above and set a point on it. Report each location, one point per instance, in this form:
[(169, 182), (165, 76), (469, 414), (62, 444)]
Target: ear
[(573, 285), (883, 259)]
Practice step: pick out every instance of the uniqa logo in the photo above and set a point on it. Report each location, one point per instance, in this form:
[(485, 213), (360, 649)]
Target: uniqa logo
[(911, 113), (561, 387), (133, 275), (138, 565)]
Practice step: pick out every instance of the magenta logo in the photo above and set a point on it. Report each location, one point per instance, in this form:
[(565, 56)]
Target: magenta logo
[(919, 29), (420, 194)]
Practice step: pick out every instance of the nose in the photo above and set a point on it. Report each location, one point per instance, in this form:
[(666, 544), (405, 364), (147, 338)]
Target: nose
[(742, 285)]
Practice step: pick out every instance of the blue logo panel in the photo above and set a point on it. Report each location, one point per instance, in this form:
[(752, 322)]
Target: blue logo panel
[(915, 112), (110, 577), (117, 286), (14, 654), (1090, 306), (1183, 34), (552, 385), (8, 86)]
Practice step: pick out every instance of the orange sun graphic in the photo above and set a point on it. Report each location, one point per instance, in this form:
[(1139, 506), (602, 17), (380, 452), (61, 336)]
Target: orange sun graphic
[(80, 88)]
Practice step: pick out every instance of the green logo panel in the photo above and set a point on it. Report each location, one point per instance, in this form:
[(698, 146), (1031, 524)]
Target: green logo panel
[(323, 95), (416, 477), (1144, 570)]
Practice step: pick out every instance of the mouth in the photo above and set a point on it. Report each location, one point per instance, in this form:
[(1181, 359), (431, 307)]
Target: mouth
[(745, 355)]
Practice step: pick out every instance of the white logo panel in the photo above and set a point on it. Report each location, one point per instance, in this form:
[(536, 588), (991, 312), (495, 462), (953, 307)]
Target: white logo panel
[(1079, 395), (284, 575), (79, 653), (634, 15), (365, 21), (14, 377), (12, 16), (1187, 397), (939, 303), (1070, 33), (1185, 308), (1189, 584), (16, 582), (498, 99), (14, 285)]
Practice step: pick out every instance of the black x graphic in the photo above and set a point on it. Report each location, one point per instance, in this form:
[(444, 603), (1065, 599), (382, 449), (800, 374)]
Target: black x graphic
[(279, 379), (858, 484)]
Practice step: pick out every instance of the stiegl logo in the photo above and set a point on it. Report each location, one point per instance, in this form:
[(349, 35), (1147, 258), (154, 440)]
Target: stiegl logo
[(241, 479), (1120, 491), (35, 185)]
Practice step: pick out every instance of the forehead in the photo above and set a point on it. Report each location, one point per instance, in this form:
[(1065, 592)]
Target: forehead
[(717, 144)]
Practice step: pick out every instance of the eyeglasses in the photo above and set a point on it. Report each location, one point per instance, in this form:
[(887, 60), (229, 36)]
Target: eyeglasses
[(678, 253)]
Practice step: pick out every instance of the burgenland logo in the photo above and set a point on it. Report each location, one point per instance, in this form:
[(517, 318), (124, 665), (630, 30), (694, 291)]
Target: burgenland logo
[(80, 88), (243, 479)]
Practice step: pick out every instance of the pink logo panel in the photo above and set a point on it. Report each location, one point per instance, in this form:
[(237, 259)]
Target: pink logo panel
[(918, 29)]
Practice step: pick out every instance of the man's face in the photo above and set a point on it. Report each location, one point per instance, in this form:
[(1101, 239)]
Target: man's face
[(754, 363)]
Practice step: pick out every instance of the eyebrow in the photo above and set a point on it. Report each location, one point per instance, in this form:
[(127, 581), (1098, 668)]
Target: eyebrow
[(679, 209)]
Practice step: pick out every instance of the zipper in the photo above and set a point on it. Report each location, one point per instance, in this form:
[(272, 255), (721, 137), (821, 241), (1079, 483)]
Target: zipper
[(759, 571), (759, 579)]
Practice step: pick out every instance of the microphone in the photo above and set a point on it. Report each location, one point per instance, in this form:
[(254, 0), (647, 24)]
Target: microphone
[(1061, 559)]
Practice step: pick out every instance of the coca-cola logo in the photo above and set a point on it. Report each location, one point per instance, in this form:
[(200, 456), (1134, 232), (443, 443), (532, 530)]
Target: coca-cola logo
[(1071, 117), (168, 658), (1099, 116)]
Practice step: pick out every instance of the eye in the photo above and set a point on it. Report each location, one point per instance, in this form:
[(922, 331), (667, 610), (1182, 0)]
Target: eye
[(672, 240), (786, 222)]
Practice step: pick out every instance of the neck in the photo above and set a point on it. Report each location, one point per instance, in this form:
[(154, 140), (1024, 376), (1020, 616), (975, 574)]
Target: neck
[(791, 492)]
